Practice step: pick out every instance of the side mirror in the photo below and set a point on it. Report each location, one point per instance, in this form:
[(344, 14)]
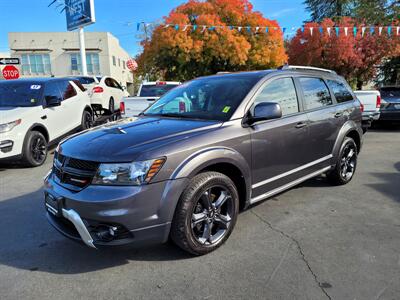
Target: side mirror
[(265, 111), (52, 101)]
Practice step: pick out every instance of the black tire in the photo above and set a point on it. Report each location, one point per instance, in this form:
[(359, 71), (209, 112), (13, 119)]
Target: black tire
[(346, 165), (193, 219), (111, 105), (87, 120), (34, 152)]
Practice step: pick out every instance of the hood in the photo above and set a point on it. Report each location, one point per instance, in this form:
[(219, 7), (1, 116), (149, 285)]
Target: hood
[(10, 114), (127, 139)]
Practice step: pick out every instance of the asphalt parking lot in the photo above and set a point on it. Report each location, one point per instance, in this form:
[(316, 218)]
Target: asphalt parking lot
[(312, 242)]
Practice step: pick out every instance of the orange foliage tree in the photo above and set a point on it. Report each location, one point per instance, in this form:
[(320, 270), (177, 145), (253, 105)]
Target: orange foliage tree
[(184, 54), (354, 57)]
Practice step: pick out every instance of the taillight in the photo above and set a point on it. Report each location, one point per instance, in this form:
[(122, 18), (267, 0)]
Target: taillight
[(98, 89), (361, 107), (378, 101), (161, 83), (122, 107)]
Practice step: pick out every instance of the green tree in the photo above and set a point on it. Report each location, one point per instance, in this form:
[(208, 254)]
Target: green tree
[(368, 11)]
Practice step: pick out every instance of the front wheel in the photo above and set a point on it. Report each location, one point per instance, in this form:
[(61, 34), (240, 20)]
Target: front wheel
[(35, 149), (206, 213), (346, 165)]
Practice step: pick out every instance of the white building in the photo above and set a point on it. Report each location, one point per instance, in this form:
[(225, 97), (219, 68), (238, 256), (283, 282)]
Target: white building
[(57, 54)]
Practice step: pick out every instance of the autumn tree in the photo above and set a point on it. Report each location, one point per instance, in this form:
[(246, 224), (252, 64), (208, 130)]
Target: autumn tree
[(354, 57), (181, 52)]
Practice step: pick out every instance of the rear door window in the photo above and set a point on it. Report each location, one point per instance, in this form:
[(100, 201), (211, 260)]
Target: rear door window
[(340, 90), (67, 90), (316, 93), (52, 91), (283, 92)]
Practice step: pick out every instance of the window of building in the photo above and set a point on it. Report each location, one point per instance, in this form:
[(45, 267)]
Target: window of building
[(124, 63), (341, 92), (36, 64), (316, 93), (283, 92), (114, 61), (92, 63), (119, 62)]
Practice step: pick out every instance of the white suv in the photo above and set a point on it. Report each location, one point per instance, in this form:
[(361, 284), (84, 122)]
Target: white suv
[(36, 112), (105, 92)]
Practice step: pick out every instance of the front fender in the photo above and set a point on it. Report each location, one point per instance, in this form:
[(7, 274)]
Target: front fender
[(204, 158)]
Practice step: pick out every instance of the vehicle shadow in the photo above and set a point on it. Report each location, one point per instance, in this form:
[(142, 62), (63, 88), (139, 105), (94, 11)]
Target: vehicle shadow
[(390, 183), (7, 165), (384, 127), (28, 242)]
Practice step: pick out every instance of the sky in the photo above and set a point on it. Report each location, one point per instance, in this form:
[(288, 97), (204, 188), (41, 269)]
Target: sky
[(120, 17)]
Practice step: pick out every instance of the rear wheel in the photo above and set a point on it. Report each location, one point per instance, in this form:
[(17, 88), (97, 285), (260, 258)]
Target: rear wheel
[(87, 120), (346, 164), (206, 213), (35, 149)]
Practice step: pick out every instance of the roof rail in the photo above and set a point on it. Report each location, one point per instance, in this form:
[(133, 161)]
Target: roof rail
[(289, 67)]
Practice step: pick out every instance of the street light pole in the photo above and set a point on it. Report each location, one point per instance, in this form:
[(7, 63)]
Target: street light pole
[(83, 51)]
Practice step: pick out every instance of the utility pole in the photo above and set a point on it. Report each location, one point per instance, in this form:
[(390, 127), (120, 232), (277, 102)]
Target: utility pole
[(83, 51)]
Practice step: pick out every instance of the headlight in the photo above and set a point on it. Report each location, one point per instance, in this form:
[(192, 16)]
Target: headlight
[(135, 173), (9, 126)]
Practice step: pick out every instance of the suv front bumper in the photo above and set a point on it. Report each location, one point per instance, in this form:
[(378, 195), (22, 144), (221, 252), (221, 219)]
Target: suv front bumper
[(103, 216)]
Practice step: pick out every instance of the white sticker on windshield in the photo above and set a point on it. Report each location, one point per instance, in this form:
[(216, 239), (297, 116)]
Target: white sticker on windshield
[(35, 87)]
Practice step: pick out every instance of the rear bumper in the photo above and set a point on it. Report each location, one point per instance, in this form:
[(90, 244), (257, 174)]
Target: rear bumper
[(371, 115)]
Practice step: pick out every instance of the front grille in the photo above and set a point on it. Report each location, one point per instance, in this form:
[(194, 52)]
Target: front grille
[(74, 174)]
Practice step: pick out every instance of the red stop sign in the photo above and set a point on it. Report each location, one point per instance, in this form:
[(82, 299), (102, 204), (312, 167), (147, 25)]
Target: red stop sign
[(10, 72)]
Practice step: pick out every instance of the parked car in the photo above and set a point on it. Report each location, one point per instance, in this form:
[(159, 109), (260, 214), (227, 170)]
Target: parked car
[(148, 93), (390, 106), (184, 171), (105, 92), (36, 112), (371, 101)]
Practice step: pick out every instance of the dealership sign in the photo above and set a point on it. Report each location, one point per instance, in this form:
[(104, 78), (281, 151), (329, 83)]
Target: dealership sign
[(79, 13)]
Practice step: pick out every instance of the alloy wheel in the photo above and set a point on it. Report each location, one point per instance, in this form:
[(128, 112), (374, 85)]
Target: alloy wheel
[(212, 215), (38, 149), (348, 162)]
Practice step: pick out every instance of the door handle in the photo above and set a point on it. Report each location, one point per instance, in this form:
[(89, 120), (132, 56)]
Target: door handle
[(301, 125), (338, 114), (44, 117)]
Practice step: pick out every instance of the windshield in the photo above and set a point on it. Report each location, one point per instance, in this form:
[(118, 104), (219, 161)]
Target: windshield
[(156, 90), (390, 92), (212, 98), (85, 80), (20, 94)]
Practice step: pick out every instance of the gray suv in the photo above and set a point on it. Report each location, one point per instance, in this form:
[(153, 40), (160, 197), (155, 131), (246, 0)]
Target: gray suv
[(209, 148)]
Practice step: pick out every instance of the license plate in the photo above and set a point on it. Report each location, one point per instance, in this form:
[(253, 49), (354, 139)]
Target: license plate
[(51, 204), (397, 106)]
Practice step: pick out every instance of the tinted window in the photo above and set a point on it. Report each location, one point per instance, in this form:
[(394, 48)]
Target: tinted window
[(316, 93), (283, 92), (212, 98), (20, 94), (79, 85), (109, 82), (116, 84), (156, 90), (85, 80), (390, 92), (67, 90), (342, 94), (52, 91)]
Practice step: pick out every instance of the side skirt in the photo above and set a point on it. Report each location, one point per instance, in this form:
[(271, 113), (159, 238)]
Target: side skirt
[(289, 185)]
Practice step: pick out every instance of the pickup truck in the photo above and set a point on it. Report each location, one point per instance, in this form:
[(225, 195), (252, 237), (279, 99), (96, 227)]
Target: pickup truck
[(371, 101), (148, 93)]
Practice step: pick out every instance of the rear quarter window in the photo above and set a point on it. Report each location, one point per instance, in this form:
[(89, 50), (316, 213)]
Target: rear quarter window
[(340, 90)]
